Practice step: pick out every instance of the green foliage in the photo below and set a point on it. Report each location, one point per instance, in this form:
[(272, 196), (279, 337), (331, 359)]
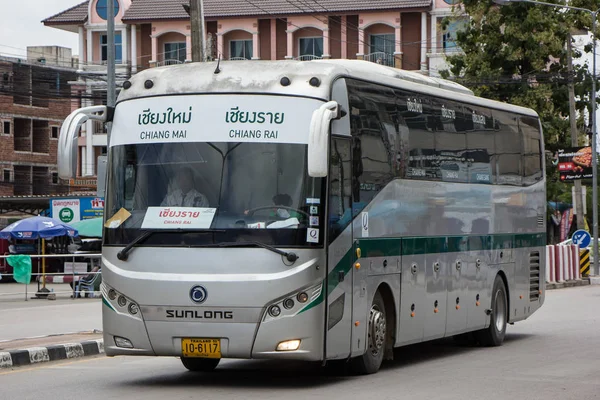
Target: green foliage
[(517, 54)]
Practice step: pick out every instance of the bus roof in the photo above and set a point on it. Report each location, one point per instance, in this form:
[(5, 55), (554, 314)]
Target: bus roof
[(265, 76)]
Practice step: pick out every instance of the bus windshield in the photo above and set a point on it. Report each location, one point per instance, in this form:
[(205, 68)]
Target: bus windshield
[(240, 191)]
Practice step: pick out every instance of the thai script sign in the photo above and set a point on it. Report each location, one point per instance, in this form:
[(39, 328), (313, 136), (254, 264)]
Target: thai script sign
[(214, 118), (178, 218)]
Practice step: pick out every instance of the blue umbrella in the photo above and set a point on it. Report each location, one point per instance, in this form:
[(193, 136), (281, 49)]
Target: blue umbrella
[(37, 227)]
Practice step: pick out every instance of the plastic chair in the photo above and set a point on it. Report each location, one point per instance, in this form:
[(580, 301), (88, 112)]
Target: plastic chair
[(90, 284)]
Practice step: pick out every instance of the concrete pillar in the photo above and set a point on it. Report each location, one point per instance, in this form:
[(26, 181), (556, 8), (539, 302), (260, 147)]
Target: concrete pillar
[(134, 48), (398, 38), (124, 46), (361, 44), (326, 44), (188, 48), (220, 45), (290, 45), (255, 46), (90, 47), (433, 35), (344, 37), (273, 39), (81, 47), (154, 58), (424, 41)]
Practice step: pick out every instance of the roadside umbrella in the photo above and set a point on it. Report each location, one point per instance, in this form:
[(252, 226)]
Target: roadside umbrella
[(35, 228), (89, 227)]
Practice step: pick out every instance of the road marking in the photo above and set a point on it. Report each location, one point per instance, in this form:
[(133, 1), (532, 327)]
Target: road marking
[(55, 364)]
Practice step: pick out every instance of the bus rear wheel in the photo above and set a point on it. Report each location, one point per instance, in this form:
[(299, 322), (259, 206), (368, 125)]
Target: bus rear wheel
[(200, 364), (377, 335), (494, 334)]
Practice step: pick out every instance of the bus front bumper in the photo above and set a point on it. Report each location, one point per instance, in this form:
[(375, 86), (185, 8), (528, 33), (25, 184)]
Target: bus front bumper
[(155, 331)]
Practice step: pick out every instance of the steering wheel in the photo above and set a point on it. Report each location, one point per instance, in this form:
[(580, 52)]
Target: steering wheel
[(252, 211)]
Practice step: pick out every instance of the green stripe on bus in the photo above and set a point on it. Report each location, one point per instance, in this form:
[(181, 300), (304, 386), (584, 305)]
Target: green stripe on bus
[(407, 246), (108, 304)]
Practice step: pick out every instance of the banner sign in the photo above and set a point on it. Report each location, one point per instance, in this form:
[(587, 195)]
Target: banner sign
[(575, 163), (76, 209)]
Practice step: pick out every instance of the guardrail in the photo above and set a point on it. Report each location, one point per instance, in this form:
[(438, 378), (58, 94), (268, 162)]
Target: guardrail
[(71, 273), (562, 263)]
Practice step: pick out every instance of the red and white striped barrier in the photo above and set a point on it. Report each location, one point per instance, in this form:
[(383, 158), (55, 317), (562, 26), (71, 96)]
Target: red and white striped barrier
[(562, 263)]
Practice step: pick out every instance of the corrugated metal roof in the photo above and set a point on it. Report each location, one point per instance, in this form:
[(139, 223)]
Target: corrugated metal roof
[(75, 14), (143, 10)]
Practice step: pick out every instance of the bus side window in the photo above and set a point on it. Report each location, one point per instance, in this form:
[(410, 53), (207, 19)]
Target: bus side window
[(480, 144), (375, 140), (340, 183), (507, 146), (532, 160)]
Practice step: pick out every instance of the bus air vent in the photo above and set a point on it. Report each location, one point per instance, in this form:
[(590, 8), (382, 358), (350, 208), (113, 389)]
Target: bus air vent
[(534, 275)]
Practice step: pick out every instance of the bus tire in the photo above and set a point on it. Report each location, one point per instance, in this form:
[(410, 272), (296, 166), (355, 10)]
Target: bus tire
[(200, 364), (494, 334), (377, 335)]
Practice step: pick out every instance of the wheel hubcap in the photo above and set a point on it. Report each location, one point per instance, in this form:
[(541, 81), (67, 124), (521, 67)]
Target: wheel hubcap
[(499, 311), (377, 329)]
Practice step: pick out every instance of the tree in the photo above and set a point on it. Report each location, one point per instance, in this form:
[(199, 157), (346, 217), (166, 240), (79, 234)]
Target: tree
[(517, 54)]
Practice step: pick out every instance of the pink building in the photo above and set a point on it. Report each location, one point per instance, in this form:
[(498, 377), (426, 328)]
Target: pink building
[(400, 33)]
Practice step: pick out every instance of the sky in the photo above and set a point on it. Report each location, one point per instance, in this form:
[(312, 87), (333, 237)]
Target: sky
[(21, 26)]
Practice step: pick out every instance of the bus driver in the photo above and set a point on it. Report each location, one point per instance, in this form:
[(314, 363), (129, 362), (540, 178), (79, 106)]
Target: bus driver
[(184, 195)]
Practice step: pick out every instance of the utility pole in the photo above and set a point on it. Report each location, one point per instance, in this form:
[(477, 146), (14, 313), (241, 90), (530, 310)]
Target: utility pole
[(578, 200), (110, 63), (198, 31)]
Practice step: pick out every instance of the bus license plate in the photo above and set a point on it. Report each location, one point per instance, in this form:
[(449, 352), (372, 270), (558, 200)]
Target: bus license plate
[(198, 347)]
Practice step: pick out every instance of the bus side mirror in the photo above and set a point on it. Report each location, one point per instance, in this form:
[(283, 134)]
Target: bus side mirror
[(67, 141), (318, 139), (101, 176)]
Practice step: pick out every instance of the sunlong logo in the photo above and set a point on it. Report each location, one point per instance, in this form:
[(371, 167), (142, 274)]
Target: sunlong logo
[(198, 314), (168, 117), (198, 294), (234, 115)]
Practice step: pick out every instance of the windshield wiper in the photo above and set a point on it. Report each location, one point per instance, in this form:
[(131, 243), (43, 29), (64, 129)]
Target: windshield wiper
[(124, 253), (290, 256)]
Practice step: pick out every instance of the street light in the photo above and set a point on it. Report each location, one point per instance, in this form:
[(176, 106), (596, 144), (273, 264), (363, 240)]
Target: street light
[(593, 98)]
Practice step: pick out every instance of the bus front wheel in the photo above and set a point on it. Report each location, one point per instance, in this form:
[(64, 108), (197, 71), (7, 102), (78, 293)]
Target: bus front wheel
[(494, 334), (200, 364), (377, 335)]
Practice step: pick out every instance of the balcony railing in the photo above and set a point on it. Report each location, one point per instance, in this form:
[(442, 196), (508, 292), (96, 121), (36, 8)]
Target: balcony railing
[(238, 59), (168, 62), (308, 57), (382, 58)]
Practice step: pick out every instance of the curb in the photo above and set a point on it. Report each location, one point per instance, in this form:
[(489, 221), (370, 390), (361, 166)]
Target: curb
[(35, 355), (567, 284)]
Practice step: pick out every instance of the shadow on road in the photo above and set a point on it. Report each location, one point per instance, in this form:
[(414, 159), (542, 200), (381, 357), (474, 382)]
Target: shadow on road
[(258, 374)]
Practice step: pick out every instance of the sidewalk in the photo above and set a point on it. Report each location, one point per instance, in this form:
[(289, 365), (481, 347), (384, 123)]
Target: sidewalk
[(41, 330), (21, 352)]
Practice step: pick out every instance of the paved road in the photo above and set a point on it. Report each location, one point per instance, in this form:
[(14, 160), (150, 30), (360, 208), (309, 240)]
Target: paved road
[(23, 319), (553, 355)]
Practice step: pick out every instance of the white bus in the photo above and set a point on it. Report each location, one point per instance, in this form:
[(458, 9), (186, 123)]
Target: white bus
[(319, 211)]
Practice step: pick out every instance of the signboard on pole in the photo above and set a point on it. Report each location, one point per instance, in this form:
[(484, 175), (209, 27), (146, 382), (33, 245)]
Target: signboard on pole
[(76, 209), (575, 163), (581, 238)]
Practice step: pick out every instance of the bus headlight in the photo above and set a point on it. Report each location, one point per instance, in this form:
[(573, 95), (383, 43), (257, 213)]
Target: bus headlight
[(287, 307), (112, 294), (274, 311), (288, 304), (288, 345), (133, 308), (302, 297)]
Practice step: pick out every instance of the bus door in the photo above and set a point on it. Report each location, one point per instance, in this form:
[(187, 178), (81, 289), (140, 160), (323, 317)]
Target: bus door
[(338, 323)]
